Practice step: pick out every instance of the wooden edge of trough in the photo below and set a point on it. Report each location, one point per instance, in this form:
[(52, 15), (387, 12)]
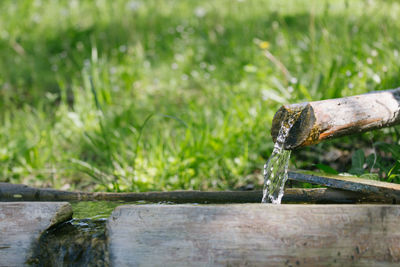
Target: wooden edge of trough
[(22, 224), (379, 189), (17, 192)]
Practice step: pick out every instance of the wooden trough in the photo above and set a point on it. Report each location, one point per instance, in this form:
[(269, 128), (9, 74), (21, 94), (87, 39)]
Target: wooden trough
[(254, 235), (300, 234)]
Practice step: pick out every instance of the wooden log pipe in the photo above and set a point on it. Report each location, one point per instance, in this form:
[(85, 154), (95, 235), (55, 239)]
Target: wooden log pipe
[(331, 118)]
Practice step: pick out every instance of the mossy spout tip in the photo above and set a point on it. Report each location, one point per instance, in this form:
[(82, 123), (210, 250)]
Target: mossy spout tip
[(301, 130)]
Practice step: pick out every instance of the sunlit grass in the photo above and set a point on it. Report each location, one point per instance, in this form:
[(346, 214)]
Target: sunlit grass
[(186, 90)]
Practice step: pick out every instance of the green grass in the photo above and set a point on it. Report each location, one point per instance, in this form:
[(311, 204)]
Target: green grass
[(160, 95)]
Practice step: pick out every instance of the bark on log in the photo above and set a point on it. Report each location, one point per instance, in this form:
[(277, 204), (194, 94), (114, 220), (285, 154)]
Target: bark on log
[(350, 183), (332, 118), (15, 192), (254, 235)]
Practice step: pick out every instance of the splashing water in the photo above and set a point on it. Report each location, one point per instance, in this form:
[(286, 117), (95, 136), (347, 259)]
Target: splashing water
[(275, 170)]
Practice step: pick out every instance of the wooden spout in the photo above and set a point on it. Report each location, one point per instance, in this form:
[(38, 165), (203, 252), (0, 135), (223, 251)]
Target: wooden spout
[(331, 118)]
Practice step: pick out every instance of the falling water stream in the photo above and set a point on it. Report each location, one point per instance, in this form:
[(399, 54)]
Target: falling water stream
[(275, 170)]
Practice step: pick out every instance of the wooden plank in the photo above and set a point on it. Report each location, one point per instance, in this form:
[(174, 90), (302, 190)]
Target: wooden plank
[(350, 183), (16, 192), (22, 223), (254, 235), (320, 120)]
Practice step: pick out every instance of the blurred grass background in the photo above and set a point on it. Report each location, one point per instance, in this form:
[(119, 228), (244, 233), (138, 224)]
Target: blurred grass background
[(160, 95)]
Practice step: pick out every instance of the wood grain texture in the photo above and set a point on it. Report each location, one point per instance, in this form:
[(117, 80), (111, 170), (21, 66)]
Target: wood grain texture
[(254, 235), (22, 223), (331, 118)]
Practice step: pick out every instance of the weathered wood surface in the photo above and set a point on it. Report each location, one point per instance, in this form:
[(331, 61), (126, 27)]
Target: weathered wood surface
[(350, 183), (15, 192), (332, 118), (22, 223), (254, 235)]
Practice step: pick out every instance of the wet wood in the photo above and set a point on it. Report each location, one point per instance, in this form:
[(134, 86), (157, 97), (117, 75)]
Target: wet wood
[(350, 183), (15, 192), (333, 118), (22, 223), (254, 235)]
